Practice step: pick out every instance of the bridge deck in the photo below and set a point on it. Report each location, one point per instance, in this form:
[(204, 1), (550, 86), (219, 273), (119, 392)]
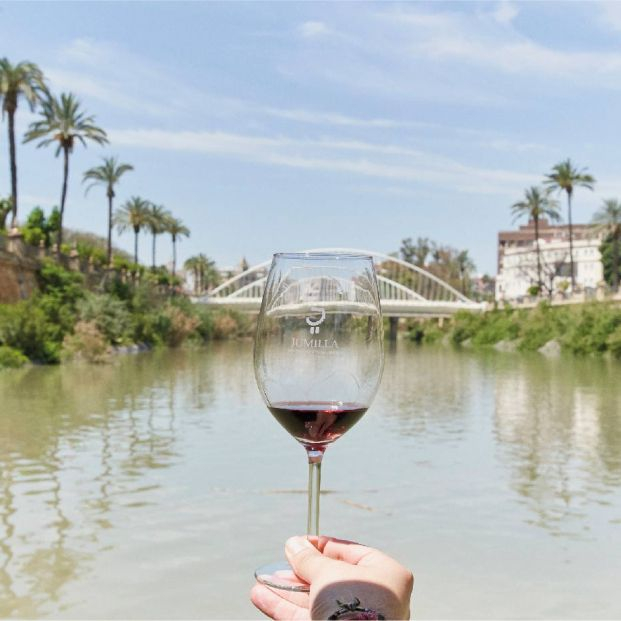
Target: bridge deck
[(390, 308)]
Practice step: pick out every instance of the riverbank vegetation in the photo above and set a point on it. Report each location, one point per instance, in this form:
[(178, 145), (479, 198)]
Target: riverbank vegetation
[(66, 320), (593, 328)]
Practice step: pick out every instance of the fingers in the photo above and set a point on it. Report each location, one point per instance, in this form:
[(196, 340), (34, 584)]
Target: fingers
[(342, 550), (306, 560), (279, 606), (354, 553)]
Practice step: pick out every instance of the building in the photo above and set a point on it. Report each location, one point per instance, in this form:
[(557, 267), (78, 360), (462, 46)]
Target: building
[(517, 259)]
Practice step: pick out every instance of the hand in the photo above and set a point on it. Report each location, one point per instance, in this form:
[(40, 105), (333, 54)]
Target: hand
[(338, 570)]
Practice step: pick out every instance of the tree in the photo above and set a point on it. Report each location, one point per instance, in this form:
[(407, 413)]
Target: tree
[(16, 81), (608, 219), (5, 210), (204, 272), (537, 204), (465, 265), (39, 227), (176, 229), (133, 214), (564, 177), (107, 174), (64, 123), (157, 224), (415, 253)]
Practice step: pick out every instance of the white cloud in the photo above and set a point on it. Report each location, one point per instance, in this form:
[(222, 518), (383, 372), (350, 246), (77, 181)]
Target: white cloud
[(110, 92), (108, 72), (383, 161), (439, 54), (505, 12), (610, 15), (313, 29), (331, 118)]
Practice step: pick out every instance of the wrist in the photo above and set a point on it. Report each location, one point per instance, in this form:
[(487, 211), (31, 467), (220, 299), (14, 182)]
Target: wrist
[(354, 610)]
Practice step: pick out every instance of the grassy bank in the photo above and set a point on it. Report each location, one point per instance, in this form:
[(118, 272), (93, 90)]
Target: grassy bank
[(593, 328), (66, 320)]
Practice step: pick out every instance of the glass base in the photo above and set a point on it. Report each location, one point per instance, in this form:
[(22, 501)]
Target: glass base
[(279, 575)]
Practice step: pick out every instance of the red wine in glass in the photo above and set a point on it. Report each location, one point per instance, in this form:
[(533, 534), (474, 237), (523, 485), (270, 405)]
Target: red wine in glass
[(316, 425)]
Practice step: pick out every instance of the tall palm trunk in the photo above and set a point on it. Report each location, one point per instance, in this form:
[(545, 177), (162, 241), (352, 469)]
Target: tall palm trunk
[(153, 251), (174, 265), (571, 242), (63, 196), (136, 231), (13, 158), (615, 259), (110, 197), (538, 251)]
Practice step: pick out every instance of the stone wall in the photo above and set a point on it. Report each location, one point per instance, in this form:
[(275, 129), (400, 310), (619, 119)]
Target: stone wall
[(18, 279)]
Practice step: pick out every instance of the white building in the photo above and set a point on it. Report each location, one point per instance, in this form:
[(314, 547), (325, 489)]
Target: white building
[(517, 260)]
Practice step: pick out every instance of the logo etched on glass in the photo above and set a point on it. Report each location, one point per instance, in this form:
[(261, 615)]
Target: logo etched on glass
[(315, 323)]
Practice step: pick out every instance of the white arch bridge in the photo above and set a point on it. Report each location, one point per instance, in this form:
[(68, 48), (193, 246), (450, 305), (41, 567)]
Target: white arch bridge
[(406, 290)]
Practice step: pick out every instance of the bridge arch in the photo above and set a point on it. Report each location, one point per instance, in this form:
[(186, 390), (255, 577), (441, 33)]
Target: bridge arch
[(405, 289)]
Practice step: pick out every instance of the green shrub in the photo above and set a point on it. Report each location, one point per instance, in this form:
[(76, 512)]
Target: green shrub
[(433, 333), (37, 326), (150, 327), (229, 323), (205, 327), (614, 342), (26, 327), (590, 327), (111, 316), (427, 331), (416, 333), (497, 325), (541, 325), (11, 358), (465, 326), (86, 343), (181, 325)]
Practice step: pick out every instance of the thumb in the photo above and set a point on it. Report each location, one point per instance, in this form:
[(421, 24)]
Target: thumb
[(306, 560)]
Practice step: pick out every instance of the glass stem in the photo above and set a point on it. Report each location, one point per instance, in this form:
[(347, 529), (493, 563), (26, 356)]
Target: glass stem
[(314, 486)]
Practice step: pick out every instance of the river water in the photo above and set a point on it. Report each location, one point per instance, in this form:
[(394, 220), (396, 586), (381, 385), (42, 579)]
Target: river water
[(152, 487)]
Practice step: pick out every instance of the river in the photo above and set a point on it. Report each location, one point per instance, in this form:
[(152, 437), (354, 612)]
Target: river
[(152, 487)]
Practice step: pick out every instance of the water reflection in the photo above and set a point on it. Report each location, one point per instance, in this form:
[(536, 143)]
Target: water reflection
[(76, 442), (124, 482), (428, 392), (558, 424), (554, 424)]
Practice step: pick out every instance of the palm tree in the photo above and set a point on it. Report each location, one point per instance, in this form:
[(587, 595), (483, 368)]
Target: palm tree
[(465, 265), (609, 219), (22, 80), (192, 265), (63, 122), (204, 270), (176, 229), (133, 214), (537, 204), (157, 224), (108, 174), (564, 177)]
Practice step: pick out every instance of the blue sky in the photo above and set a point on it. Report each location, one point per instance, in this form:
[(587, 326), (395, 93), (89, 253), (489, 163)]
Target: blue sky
[(281, 126)]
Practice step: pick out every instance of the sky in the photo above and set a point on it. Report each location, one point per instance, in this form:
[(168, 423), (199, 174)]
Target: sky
[(286, 126)]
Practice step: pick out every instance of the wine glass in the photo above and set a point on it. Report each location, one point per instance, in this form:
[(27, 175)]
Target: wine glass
[(318, 360)]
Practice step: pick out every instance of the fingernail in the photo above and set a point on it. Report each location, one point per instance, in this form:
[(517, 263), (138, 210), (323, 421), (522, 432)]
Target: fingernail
[(296, 544)]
